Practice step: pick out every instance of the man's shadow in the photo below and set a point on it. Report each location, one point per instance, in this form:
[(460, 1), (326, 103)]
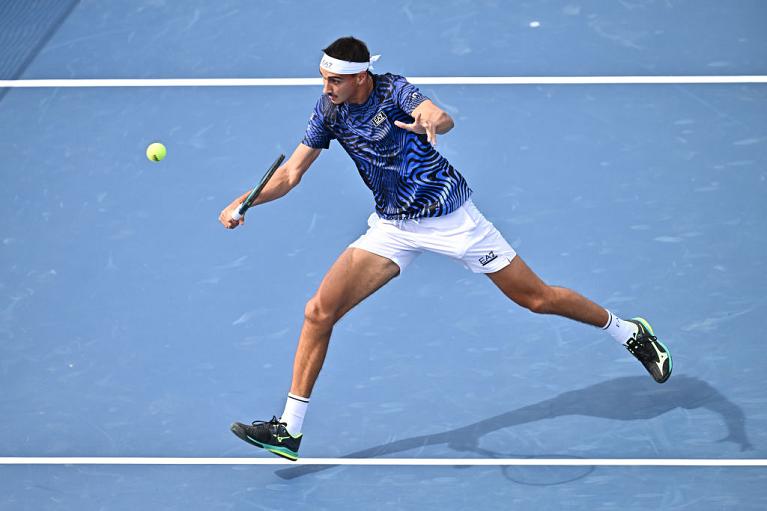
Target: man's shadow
[(626, 398)]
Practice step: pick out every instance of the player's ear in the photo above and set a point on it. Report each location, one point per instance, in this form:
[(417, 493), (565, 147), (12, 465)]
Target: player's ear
[(361, 77)]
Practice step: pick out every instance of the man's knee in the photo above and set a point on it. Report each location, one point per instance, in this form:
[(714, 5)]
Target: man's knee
[(540, 302), (319, 314)]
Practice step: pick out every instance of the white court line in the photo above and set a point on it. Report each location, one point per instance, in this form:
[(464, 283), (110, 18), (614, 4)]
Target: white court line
[(678, 462), (446, 80), (423, 80)]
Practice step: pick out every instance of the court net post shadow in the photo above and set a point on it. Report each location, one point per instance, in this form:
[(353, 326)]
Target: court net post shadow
[(625, 398)]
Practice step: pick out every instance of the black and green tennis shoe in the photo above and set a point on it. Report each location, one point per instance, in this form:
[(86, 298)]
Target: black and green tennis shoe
[(270, 435), (653, 354)]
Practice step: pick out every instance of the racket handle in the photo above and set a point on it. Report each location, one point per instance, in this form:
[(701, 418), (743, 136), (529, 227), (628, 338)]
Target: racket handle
[(236, 215)]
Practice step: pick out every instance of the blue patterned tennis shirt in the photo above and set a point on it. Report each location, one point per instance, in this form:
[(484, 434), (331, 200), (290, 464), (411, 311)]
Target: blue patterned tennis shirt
[(408, 177)]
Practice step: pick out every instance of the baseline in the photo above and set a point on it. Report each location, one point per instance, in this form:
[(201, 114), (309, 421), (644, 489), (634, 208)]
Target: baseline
[(424, 80), (547, 462)]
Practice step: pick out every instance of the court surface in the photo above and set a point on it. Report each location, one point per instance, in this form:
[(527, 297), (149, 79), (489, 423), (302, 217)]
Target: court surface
[(132, 324)]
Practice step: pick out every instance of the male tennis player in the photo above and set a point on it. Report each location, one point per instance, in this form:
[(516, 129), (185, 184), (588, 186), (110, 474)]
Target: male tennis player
[(389, 128)]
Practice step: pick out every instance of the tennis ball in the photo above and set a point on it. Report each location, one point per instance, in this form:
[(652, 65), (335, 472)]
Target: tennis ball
[(156, 151)]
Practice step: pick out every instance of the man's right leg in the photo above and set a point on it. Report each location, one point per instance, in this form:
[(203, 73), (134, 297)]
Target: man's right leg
[(354, 276)]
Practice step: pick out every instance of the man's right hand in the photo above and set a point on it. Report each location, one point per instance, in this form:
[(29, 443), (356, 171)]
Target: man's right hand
[(226, 215)]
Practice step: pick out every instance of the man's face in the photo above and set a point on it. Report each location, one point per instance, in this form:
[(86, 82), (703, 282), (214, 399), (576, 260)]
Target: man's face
[(339, 88)]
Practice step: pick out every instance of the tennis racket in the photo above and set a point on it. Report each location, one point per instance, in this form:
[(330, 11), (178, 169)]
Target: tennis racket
[(248, 202)]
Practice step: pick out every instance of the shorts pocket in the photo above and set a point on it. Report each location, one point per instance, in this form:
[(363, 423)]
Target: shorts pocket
[(475, 216)]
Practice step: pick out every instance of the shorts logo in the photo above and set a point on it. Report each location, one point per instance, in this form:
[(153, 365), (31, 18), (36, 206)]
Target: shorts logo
[(485, 259), (379, 118)]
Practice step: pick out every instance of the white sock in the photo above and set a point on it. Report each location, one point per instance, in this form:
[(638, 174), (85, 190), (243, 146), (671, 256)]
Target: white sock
[(621, 330), (295, 409)]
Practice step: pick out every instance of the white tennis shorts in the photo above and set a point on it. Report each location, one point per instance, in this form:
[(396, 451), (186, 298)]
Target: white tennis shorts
[(465, 235)]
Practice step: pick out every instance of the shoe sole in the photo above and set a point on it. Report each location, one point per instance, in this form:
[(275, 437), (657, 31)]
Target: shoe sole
[(647, 327), (282, 452)]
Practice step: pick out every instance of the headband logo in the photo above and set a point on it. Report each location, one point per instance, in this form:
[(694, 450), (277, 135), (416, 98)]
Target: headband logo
[(344, 67)]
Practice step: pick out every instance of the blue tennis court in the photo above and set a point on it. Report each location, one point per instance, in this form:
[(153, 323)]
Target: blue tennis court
[(133, 325)]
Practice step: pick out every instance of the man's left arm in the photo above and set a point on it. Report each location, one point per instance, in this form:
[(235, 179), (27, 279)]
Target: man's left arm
[(430, 119)]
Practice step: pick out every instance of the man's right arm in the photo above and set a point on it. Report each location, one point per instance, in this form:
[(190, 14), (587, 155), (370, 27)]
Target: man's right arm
[(284, 179)]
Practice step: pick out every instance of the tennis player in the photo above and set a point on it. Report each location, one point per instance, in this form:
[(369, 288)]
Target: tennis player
[(390, 129)]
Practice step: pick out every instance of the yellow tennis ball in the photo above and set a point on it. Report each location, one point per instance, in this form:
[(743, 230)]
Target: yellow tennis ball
[(156, 151)]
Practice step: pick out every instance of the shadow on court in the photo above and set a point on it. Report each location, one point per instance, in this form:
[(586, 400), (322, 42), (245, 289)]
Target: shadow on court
[(626, 398)]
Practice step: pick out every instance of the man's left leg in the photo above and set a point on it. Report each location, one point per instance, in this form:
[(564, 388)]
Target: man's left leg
[(518, 282)]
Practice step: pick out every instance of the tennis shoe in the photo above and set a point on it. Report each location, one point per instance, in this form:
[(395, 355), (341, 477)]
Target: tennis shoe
[(652, 353), (270, 435)]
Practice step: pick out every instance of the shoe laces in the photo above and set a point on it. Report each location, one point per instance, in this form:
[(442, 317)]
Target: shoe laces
[(644, 337), (642, 343), (274, 421)]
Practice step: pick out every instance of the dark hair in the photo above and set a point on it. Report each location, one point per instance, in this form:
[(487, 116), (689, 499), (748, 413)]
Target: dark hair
[(348, 49)]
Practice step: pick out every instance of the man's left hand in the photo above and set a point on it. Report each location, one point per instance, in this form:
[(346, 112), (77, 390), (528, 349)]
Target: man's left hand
[(420, 126)]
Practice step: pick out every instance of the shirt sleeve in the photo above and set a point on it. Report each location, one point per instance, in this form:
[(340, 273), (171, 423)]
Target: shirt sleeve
[(317, 135), (408, 96)]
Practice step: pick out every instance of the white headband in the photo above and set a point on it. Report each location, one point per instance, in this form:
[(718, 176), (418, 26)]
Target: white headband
[(343, 67)]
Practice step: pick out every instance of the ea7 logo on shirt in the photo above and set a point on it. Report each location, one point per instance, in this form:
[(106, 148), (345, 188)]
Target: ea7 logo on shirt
[(379, 118), (485, 259)]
